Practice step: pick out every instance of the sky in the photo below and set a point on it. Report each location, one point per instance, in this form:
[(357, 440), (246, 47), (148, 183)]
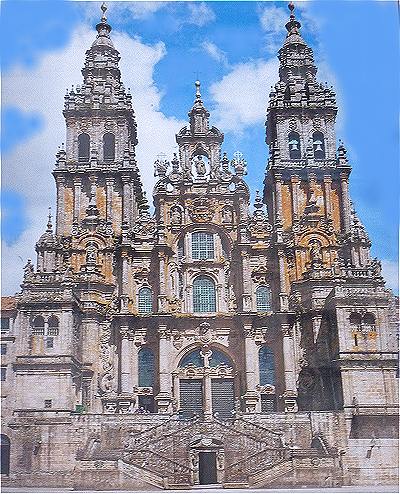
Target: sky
[(165, 46)]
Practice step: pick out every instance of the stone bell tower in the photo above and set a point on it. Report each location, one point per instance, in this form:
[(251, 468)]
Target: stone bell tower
[(333, 304), (98, 184)]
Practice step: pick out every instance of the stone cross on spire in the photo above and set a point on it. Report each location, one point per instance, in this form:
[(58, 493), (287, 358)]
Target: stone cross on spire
[(198, 114)]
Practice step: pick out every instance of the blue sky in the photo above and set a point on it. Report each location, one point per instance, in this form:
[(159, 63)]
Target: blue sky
[(231, 47)]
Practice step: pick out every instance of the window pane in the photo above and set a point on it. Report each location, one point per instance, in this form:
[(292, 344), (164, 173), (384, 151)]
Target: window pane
[(83, 147), (202, 245), (263, 299), (109, 147), (3, 349), (204, 295), (267, 366), (146, 362), (3, 373), (218, 358), (145, 302), (38, 326), (5, 323), (268, 403), (192, 358)]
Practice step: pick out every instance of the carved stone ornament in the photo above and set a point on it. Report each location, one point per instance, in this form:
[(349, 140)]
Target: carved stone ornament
[(201, 210), (259, 274), (292, 124), (107, 381), (204, 333), (141, 273), (144, 228)]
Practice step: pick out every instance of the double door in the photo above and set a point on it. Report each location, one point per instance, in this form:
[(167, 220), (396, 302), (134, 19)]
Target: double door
[(194, 397)]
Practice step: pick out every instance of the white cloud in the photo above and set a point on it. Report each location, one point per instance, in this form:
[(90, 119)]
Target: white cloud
[(28, 167), (215, 52), (200, 14), (241, 96), (118, 11), (390, 271)]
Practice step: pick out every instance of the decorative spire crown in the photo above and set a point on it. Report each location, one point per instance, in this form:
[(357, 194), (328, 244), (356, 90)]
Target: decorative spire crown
[(49, 222), (103, 28), (293, 25), (198, 114)]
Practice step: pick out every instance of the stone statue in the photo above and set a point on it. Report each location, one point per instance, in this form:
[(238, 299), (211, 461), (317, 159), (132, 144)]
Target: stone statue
[(200, 166), (176, 216), (315, 253)]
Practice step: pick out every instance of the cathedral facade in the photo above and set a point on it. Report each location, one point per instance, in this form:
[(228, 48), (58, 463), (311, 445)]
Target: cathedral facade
[(215, 341)]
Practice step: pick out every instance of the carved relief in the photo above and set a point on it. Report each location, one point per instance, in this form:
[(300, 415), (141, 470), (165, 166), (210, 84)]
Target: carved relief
[(201, 209)]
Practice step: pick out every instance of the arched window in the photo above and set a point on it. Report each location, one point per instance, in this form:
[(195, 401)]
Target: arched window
[(5, 454), (355, 321), (368, 323), (195, 358), (287, 95), (192, 398), (109, 147), (53, 326), (355, 326), (38, 325), (263, 298), (83, 147), (267, 366), (294, 146), (145, 301), (146, 365), (204, 299), (202, 245), (319, 146)]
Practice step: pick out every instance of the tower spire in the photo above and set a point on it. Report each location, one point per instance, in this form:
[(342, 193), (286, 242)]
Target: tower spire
[(103, 29), (49, 222), (198, 114), (293, 25)]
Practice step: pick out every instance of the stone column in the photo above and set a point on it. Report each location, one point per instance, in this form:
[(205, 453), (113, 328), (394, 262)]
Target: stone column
[(345, 201), (327, 192), (290, 393), (251, 396), (125, 199), (295, 182), (60, 214), (283, 297), (109, 194), (278, 197), (126, 362), (164, 398), (77, 198), (207, 406), (125, 282), (247, 291), (161, 285)]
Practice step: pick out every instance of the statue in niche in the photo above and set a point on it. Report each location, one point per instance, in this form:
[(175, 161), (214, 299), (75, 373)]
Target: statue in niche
[(91, 254), (227, 215), (176, 216), (315, 253), (200, 166)]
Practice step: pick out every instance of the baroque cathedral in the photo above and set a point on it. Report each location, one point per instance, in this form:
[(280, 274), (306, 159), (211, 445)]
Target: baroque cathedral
[(215, 341)]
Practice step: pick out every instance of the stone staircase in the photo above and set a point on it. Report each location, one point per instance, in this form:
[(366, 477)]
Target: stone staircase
[(161, 455), (266, 476)]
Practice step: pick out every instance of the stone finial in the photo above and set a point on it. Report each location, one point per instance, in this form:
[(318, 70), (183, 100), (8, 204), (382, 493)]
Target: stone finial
[(49, 222), (198, 94), (104, 10)]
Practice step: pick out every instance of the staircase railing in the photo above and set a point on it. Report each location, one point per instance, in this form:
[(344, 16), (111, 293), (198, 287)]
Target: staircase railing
[(176, 473), (259, 461)]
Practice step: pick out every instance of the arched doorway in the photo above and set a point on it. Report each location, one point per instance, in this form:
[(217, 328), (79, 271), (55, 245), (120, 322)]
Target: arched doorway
[(204, 384), (5, 454)]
